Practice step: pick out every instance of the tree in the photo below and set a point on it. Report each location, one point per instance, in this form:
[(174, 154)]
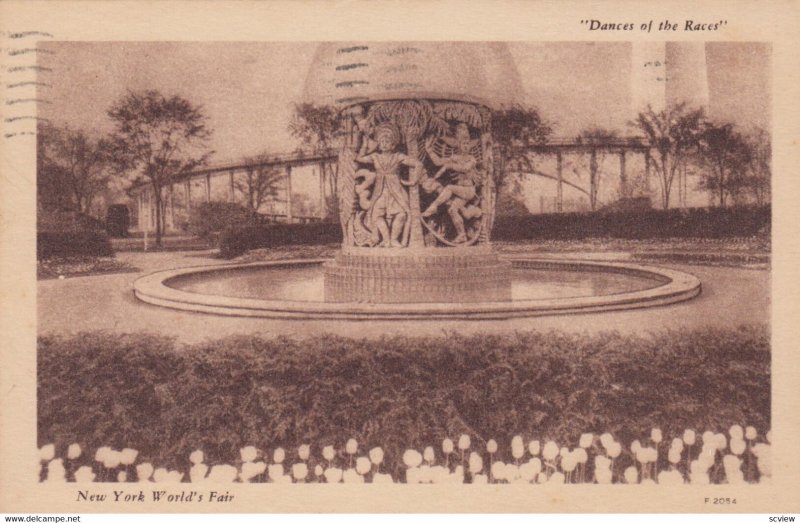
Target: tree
[(260, 181), (726, 156), (597, 140), (760, 166), (72, 168), (316, 126), (157, 139), (514, 130), (672, 134)]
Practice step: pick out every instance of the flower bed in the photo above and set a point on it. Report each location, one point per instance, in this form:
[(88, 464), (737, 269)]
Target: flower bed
[(741, 456)]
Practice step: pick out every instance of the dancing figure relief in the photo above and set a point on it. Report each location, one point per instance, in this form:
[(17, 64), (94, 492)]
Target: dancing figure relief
[(382, 199), (457, 159)]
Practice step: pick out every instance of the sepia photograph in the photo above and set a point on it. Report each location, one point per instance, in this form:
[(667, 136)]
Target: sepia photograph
[(502, 267), (416, 262)]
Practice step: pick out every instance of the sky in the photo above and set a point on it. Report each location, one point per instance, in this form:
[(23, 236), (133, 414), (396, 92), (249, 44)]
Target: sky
[(248, 89)]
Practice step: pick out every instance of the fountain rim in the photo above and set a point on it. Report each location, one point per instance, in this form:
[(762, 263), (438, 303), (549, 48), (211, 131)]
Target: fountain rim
[(676, 286)]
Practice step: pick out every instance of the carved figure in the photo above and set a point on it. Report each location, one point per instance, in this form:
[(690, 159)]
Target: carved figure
[(380, 192), (460, 195)]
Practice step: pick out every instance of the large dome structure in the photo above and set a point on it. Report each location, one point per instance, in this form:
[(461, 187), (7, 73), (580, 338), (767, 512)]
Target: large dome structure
[(348, 73)]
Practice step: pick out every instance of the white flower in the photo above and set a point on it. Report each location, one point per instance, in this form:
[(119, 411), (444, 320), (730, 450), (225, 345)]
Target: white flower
[(440, 474), (563, 452), (677, 443), (581, 455), (709, 438), (100, 454), (379, 477), (558, 478), (615, 449), (74, 451), (631, 475), (251, 469), (128, 456), (534, 447), (197, 457), (47, 452), (721, 440), (363, 465), (689, 437), (112, 459), (736, 432), (670, 477), (602, 476), (428, 454), (328, 453), (568, 462), (279, 455), (351, 447), (303, 452), (750, 433), (161, 475), (763, 453), (731, 463), (425, 474), (601, 462), (491, 446), (656, 436), (517, 447), (351, 476), (475, 463), (674, 455), (463, 442), (635, 446), (222, 474), (173, 476), (447, 445), (738, 446), (248, 453), (586, 440), (55, 471), (512, 472), (541, 478), (376, 455), (412, 458), (300, 471), (550, 451), (606, 440), (198, 472), (480, 479), (275, 472), (122, 476), (529, 470), (144, 471), (318, 471), (498, 471), (458, 475), (84, 475)]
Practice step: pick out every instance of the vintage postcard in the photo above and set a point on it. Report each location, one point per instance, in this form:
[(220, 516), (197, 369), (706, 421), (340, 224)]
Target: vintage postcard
[(450, 257)]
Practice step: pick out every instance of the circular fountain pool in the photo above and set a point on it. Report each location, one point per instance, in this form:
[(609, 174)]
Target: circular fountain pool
[(295, 289)]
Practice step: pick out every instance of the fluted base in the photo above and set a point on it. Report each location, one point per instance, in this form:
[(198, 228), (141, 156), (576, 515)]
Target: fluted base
[(426, 275)]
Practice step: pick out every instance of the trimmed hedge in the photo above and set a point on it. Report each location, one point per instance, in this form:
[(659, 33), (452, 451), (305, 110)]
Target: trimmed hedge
[(212, 218), (705, 222), (643, 224), (237, 241), (167, 400), (72, 244)]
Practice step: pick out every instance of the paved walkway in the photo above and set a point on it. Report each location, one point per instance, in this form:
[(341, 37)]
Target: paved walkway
[(730, 296)]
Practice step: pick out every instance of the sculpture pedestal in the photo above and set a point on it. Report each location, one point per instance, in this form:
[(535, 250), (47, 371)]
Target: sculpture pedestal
[(425, 275)]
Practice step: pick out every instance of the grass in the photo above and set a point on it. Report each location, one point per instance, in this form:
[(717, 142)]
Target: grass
[(398, 392)]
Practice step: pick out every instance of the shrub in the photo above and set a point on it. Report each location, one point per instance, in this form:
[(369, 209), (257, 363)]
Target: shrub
[(70, 234), (235, 242), (672, 223), (212, 218), (397, 392)]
